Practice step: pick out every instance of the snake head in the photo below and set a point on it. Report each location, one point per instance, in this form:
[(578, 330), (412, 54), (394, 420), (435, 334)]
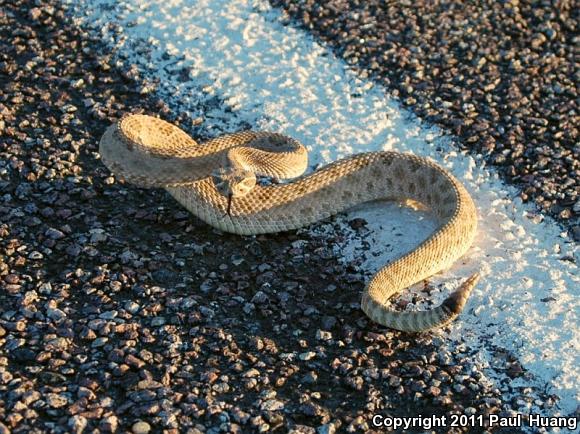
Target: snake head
[(233, 183)]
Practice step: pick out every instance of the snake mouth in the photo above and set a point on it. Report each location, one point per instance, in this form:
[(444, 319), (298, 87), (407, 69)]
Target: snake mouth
[(228, 211)]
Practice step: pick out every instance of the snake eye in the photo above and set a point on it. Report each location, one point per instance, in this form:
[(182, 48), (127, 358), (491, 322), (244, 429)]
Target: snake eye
[(220, 185), (249, 183), (245, 185)]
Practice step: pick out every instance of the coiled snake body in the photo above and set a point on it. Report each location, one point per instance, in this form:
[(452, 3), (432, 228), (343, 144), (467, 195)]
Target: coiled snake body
[(153, 153)]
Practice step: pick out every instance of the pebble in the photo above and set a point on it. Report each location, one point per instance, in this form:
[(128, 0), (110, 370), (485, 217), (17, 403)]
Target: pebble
[(309, 355), (35, 255), (54, 234), (55, 314), (100, 342), (132, 307), (55, 401), (272, 405), (77, 423), (328, 428), (110, 424), (141, 427)]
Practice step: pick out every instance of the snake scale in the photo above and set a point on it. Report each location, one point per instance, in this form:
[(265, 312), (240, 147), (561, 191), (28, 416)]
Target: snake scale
[(216, 181)]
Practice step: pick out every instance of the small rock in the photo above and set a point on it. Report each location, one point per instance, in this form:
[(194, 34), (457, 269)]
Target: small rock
[(272, 405), (259, 298), (77, 423), (132, 307), (35, 255), (54, 234), (307, 355), (55, 314), (99, 342), (328, 428), (110, 423), (12, 278), (135, 362), (322, 335), (141, 427), (55, 400), (157, 321)]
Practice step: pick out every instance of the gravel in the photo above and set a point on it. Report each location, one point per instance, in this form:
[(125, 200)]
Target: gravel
[(500, 75), (121, 312)]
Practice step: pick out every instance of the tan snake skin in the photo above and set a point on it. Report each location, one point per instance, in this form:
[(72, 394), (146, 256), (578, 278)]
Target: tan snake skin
[(150, 152)]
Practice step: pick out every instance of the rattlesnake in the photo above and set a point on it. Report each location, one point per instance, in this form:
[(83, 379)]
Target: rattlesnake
[(150, 152)]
